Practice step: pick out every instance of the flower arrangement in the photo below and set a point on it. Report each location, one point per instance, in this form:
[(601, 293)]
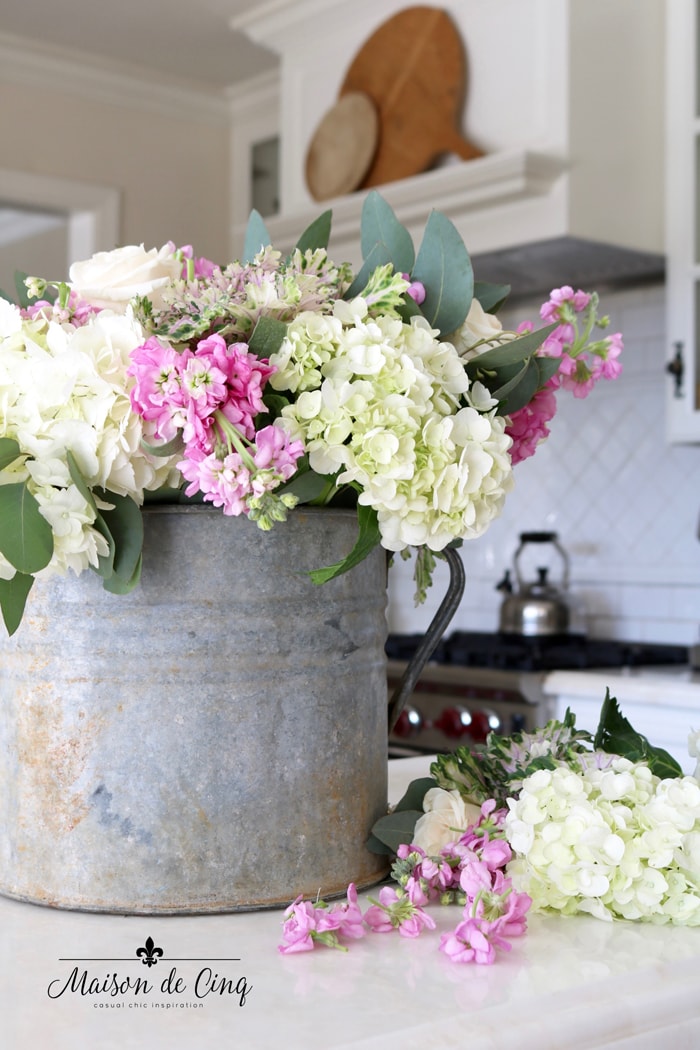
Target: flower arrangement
[(559, 821), (270, 382)]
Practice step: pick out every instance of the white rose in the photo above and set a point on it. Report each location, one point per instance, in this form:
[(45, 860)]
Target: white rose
[(111, 279), (446, 817), (478, 328)]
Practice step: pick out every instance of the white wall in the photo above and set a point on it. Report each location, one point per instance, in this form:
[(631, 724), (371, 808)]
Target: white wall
[(626, 505), (165, 151)]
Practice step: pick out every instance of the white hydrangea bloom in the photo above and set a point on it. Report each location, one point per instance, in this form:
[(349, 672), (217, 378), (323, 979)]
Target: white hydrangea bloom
[(613, 842), (65, 389), (379, 404)]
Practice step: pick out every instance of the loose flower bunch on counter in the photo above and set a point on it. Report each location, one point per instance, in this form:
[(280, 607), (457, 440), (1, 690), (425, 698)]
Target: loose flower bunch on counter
[(555, 821), (270, 382)]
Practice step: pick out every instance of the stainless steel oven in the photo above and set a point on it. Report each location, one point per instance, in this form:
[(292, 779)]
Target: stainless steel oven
[(478, 682)]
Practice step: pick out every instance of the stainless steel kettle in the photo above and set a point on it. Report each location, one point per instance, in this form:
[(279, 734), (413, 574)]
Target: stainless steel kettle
[(539, 608)]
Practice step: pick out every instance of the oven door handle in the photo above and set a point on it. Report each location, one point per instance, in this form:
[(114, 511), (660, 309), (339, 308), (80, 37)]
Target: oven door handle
[(432, 636)]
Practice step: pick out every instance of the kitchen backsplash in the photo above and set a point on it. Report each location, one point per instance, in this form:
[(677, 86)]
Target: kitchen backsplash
[(624, 502)]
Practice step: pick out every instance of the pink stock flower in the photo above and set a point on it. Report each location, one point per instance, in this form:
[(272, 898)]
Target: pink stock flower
[(195, 267), (157, 393), (307, 924), (298, 928), (395, 911), (469, 942), (416, 289)]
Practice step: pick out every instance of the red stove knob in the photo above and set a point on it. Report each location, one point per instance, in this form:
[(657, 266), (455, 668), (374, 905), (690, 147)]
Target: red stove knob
[(483, 723), (409, 722), (454, 722)]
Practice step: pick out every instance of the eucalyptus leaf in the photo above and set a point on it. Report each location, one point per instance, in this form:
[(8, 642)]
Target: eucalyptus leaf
[(491, 296), (306, 486), (408, 309), (125, 523), (256, 236), (367, 540), (26, 538), (397, 828), (165, 449), (120, 585), (13, 599), (508, 353), (519, 392), (317, 234), (79, 481), (547, 367), (374, 845), (379, 225), (267, 336), (9, 452), (415, 793), (444, 269)]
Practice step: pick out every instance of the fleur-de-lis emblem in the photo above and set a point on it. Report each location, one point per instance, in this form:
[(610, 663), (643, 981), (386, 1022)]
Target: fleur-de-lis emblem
[(150, 953)]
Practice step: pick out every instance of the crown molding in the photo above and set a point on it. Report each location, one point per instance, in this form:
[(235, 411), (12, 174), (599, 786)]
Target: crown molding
[(52, 69)]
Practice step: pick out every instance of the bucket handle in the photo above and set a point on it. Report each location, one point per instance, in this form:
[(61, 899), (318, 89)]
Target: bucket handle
[(432, 636)]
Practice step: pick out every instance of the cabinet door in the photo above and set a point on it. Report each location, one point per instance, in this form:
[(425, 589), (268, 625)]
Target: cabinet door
[(683, 220)]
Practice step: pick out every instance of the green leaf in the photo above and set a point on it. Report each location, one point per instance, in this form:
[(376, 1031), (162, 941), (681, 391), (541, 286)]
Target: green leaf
[(509, 353), (396, 828), (167, 448), (317, 235), (379, 256), (520, 390), (415, 793), (256, 236), (118, 585), (547, 367), (444, 268), (379, 225), (306, 485), (26, 538), (491, 296), (9, 452), (409, 308), (367, 540), (616, 736), (125, 525), (267, 336), (23, 298), (13, 598), (79, 481)]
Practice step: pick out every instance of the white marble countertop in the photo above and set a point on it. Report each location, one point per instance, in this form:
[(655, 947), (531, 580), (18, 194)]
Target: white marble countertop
[(569, 983)]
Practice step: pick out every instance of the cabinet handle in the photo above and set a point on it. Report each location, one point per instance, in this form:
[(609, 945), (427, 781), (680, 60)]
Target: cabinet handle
[(675, 368)]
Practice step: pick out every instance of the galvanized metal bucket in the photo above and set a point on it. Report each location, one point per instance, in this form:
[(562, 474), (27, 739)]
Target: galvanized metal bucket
[(214, 741)]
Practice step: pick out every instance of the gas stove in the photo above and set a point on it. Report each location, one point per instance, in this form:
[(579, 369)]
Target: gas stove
[(478, 682)]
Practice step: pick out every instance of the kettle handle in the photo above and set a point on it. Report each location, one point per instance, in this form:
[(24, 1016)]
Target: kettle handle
[(428, 643), (542, 537)]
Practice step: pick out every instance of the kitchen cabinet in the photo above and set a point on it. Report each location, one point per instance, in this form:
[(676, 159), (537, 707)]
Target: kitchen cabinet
[(683, 221)]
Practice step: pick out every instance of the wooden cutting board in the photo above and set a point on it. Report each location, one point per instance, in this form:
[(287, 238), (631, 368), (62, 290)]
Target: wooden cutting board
[(342, 147), (414, 69)]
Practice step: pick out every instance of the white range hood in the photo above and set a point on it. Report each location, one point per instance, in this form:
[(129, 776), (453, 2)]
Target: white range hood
[(566, 99)]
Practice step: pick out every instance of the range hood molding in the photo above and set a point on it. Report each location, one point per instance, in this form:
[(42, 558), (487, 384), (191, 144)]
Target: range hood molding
[(571, 181), (459, 190)]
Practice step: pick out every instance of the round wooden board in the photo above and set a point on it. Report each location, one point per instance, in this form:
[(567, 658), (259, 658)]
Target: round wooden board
[(413, 67), (342, 147)]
